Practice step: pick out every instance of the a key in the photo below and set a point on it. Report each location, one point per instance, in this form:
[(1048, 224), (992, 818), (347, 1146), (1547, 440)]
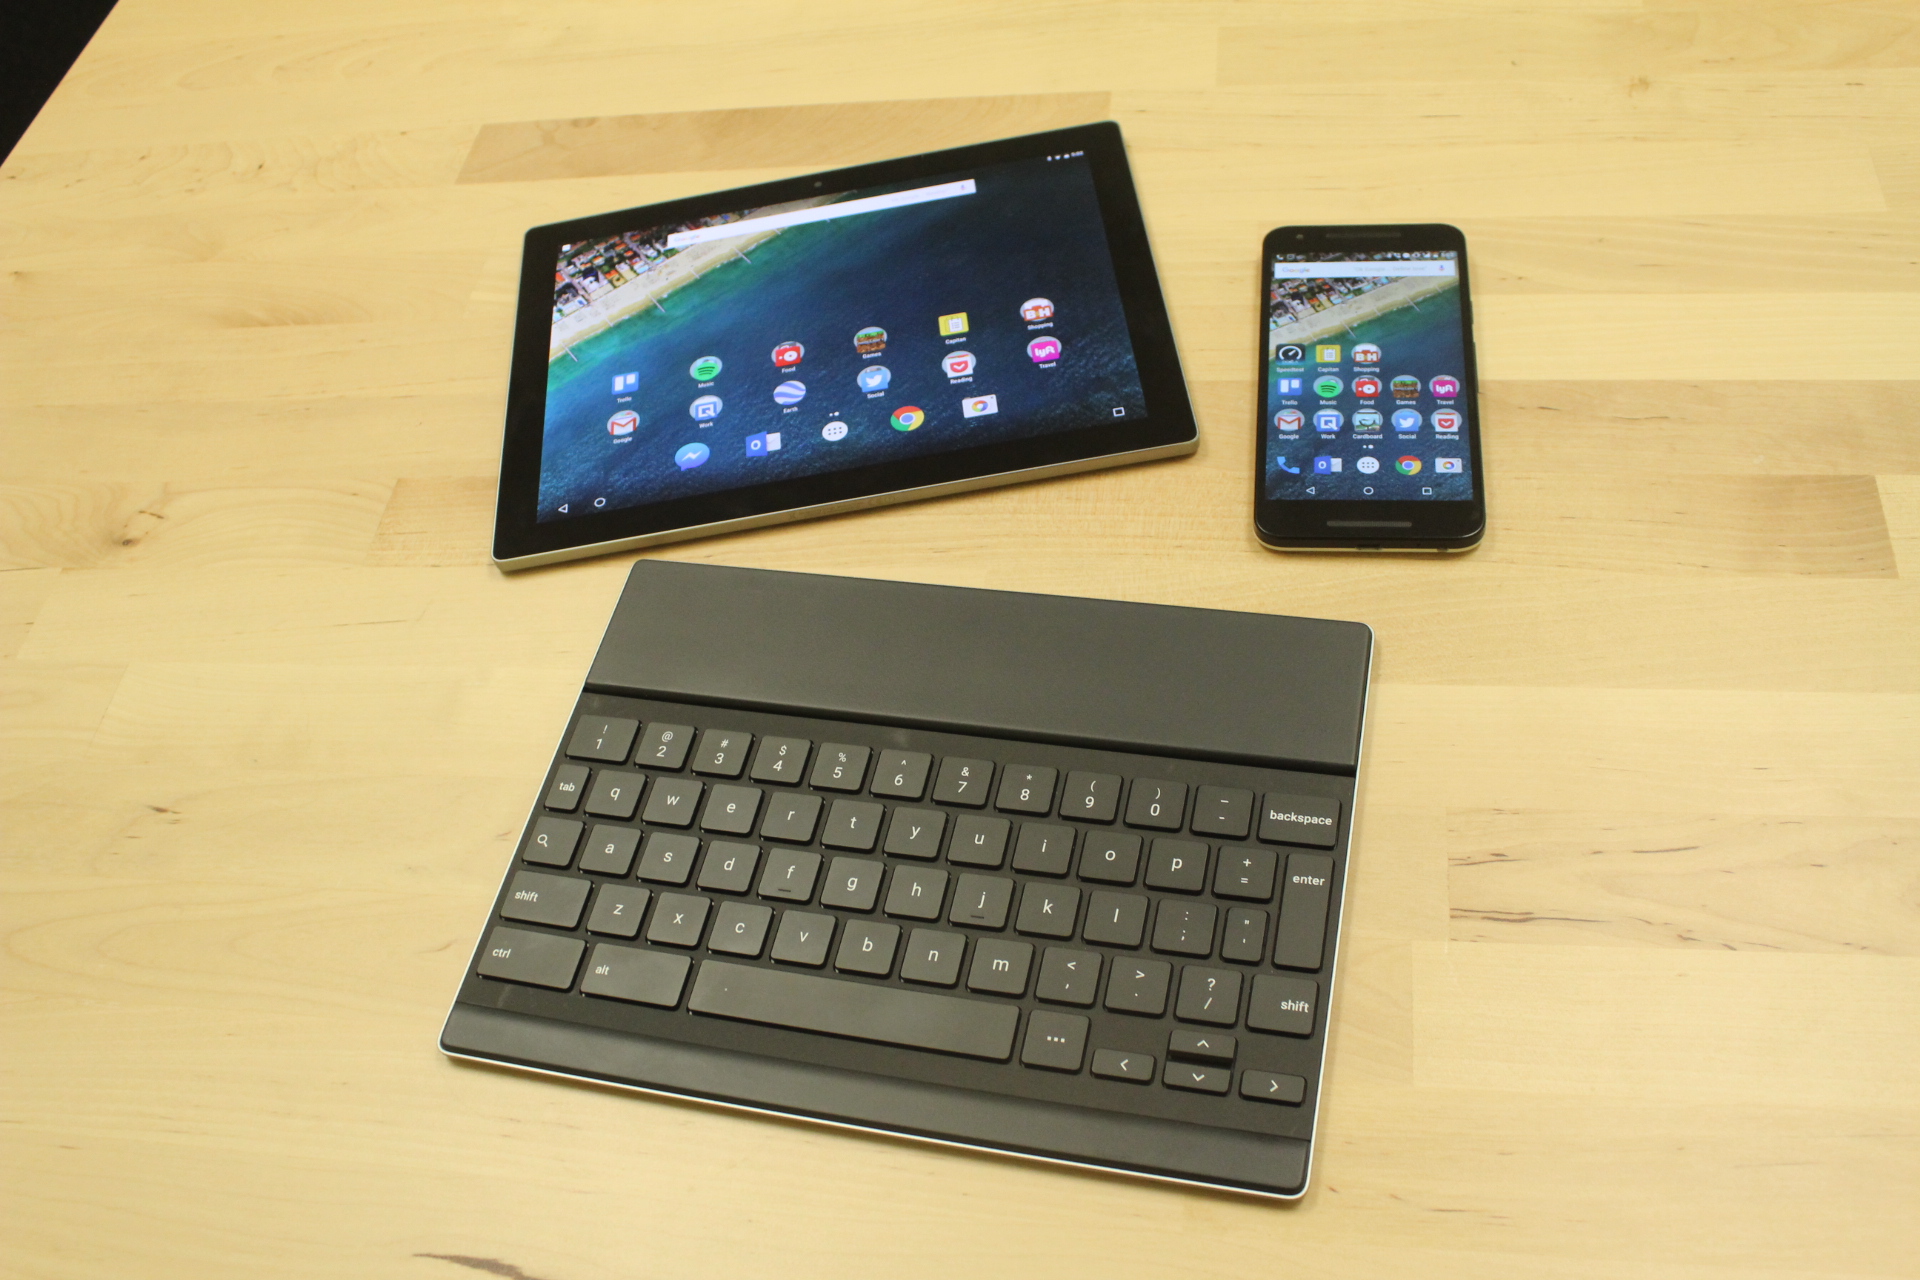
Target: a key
[(902, 774), (916, 893), (615, 794), (1244, 940), (729, 866), (839, 767), (933, 957), (963, 782), (1213, 1047), (1302, 934), (1116, 919), (664, 746), (803, 938), (1138, 986), (1208, 995), (1157, 803), (740, 928), (981, 901), (610, 851), (1110, 857), (790, 874), (722, 752), (543, 899), (1265, 1086), (790, 817), (867, 946), (602, 738), (1090, 797), (1283, 1004), (1184, 928), (853, 884), (569, 783), (1245, 873), (552, 842), (1048, 910), (1055, 1041), (1000, 966), (668, 857), (678, 919), (617, 909), (672, 802), (1025, 788), (859, 1010), (1068, 976), (852, 824), (1122, 1064), (1310, 820), (1223, 811), (539, 959), (1179, 865), (915, 833), (635, 975), (1043, 849), (1187, 1075), (731, 809), (780, 760), (978, 841)]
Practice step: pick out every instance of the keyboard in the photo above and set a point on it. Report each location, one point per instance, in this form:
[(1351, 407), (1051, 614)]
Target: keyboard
[(1034, 942)]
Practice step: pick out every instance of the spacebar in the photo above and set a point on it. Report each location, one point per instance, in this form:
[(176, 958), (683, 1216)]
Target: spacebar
[(917, 1019)]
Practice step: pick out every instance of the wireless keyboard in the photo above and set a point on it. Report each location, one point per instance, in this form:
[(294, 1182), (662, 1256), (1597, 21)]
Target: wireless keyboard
[(1054, 877)]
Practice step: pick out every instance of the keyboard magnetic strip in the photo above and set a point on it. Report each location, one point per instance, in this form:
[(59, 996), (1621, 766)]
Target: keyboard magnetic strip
[(1109, 930)]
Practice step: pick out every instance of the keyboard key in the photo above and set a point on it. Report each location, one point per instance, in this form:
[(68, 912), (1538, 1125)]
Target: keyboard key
[(543, 899), (853, 884), (569, 781), (933, 957), (677, 920), (1043, 849), (1245, 938), (539, 959), (1186, 1075), (1111, 857), (867, 946), (902, 774), (1068, 977), (803, 938), (780, 760), (1156, 803), (668, 857), (740, 928), (722, 752), (673, 802), (664, 746), (1207, 995), (1116, 919), (1263, 1086), (839, 767), (1223, 811), (731, 809), (790, 874), (642, 977), (1302, 934), (979, 841), (915, 833), (963, 782), (981, 901), (1120, 1064), (1184, 928), (1047, 910), (790, 817), (1000, 966), (1283, 1004), (729, 866), (916, 893), (1139, 986), (552, 842), (1091, 797), (610, 851), (1055, 1041), (602, 738), (1026, 788), (615, 794), (1180, 865), (617, 909), (852, 824), (1202, 1046), (860, 1010), (1308, 820), (1245, 873)]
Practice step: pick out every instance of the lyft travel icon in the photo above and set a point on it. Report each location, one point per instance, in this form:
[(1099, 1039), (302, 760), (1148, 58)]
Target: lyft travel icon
[(1043, 350)]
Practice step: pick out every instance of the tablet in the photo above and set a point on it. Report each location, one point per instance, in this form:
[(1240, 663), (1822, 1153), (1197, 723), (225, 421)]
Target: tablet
[(949, 321)]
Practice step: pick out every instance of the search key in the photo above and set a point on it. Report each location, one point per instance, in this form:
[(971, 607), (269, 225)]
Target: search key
[(552, 842)]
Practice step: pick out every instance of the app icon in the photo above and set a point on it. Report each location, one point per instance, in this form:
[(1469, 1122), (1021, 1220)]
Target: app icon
[(1406, 419), (1325, 466), (979, 406), (870, 339), (1327, 420), (1366, 353), (788, 354), (1288, 386), (1327, 353), (623, 423), (958, 364), (705, 409), (1289, 351), (763, 444), (1292, 471), (1366, 420), (1367, 466), (1408, 466), (1366, 385), (1447, 467), (1406, 387), (955, 323), (1326, 386), (1445, 386), (874, 377), (1034, 310), (690, 456), (1042, 350), (1447, 420), (625, 382), (907, 417), (790, 393), (834, 431), (1289, 419), (705, 369)]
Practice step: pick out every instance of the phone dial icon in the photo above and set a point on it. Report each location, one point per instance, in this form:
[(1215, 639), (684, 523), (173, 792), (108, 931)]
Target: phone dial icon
[(1292, 471)]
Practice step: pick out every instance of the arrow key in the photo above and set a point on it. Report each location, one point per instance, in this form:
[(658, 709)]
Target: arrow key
[(1185, 1075), (1264, 1086), (1119, 1064), (1201, 1046)]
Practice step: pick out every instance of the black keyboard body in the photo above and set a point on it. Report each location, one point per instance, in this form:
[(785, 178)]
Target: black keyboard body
[(936, 903)]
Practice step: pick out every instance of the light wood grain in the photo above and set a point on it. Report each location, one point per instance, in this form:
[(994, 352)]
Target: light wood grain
[(1629, 987)]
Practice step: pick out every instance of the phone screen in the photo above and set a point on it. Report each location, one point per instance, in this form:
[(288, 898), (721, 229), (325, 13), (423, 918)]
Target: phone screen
[(1367, 391)]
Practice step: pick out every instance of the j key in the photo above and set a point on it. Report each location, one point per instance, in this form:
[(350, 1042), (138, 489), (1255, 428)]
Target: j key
[(981, 901), (1211, 1047), (569, 781), (1055, 1041), (917, 893), (677, 920), (1119, 1064), (543, 899), (853, 884), (731, 810), (902, 774), (1310, 820), (643, 977), (1283, 1004), (915, 833), (1000, 967), (839, 767), (1090, 797), (615, 794), (1139, 986), (1047, 910), (1180, 865), (729, 866), (1157, 804), (668, 857), (780, 760), (672, 802), (664, 746), (552, 842), (740, 928), (790, 874), (1208, 995), (963, 782), (803, 938), (933, 957), (602, 738), (1245, 937), (1263, 1086), (1185, 1075), (520, 955), (1025, 788), (617, 909), (1184, 928), (979, 841), (1068, 976), (722, 752), (791, 817), (1116, 919), (1043, 849), (610, 851), (852, 824), (1245, 873), (1223, 811), (867, 946), (859, 1010), (1111, 857), (1302, 933)]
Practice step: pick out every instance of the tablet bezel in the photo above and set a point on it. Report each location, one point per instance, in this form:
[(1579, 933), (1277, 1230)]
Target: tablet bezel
[(1167, 429)]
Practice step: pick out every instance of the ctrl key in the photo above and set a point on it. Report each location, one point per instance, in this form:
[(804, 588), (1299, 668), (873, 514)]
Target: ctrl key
[(539, 959), (641, 977)]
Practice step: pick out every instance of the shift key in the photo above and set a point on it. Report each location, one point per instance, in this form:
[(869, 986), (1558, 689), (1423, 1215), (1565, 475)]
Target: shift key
[(540, 959)]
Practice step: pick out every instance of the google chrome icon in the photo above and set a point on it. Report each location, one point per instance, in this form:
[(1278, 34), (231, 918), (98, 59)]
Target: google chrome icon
[(1408, 466), (907, 417)]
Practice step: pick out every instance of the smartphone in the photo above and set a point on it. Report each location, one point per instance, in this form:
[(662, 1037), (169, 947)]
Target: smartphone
[(1369, 432)]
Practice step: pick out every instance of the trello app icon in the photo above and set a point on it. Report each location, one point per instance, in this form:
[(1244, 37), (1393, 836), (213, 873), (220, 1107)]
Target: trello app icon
[(1289, 386), (625, 382)]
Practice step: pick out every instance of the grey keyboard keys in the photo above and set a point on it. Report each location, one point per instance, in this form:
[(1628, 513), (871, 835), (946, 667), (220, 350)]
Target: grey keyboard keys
[(915, 833), (790, 874), (1068, 976), (1026, 788), (839, 767), (1213, 1047), (1245, 873), (1179, 865), (615, 794), (1043, 849), (852, 824), (1207, 995), (610, 851), (853, 884), (780, 760), (673, 802), (637, 976), (1283, 1004), (552, 842), (1310, 820), (791, 817), (668, 857), (1000, 966), (1223, 811), (1138, 986), (1184, 928), (916, 893), (729, 866), (569, 782), (602, 738), (1199, 1079), (722, 752), (1091, 797), (1156, 803), (981, 901), (933, 957), (617, 909), (678, 919), (544, 899), (902, 774), (664, 746), (740, 928), (1055, 1041), (1111, 857), (1047, 910), (803, 938), (1264, 1086), (731, 809), (1116, 919), (860, 1010), (1121, 1064), (963, 782), (979, 841), (1302, 934), (539, 959), (867, 946), (1245, 937)]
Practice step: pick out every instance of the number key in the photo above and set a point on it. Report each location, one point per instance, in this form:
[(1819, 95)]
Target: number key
[(839, 767), (1090, 797), (1026, 788), (602, 738), (722, 752), (1156, 803), (664, 746), (963, 782), (780, 759), (902, 774)]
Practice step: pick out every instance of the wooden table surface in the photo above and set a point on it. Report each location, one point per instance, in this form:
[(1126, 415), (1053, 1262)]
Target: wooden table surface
[(1632, 970)]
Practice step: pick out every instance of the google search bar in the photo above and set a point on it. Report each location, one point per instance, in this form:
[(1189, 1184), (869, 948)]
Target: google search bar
[(1348, 270), (821, 213)]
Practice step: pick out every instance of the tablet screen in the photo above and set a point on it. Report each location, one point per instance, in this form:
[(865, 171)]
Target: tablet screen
[(836, 331)]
